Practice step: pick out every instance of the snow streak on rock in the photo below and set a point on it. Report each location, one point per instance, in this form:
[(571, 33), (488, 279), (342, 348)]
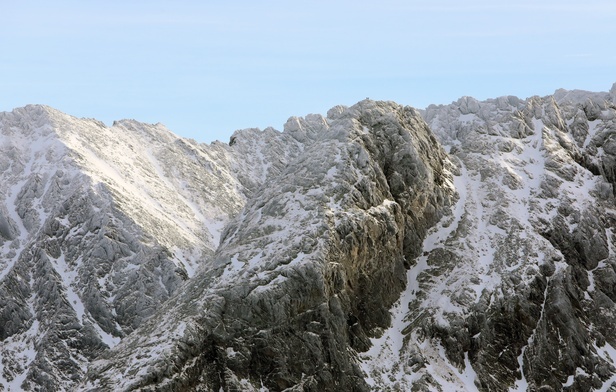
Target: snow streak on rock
[(506, 298), (349, 252), (307, 270), (98, 227)]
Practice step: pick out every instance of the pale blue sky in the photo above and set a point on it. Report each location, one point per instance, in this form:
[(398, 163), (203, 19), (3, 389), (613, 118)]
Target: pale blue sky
[(207, 68)]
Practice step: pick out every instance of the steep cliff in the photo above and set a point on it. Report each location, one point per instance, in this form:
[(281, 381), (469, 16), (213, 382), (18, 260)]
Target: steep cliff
[(517, 292), (464, 247), (306, 273)]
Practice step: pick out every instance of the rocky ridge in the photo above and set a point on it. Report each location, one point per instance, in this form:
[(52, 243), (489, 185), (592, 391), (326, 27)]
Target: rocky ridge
[(349, 252), (98, 227), (515, 290), (311, 265)]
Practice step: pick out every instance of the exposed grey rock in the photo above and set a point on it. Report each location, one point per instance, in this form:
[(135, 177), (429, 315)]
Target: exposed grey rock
[(98, 227), (348, 252), (512, 295), (311, 266), (6, 230)]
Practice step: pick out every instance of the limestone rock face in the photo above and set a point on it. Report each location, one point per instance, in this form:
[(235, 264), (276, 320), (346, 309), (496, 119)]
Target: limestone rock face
[(512, 292), (464, 247), (306, 273), (98, 227)]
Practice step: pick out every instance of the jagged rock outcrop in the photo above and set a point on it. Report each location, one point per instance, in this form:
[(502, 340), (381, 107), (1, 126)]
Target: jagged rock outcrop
[(370, 249), (306, 273), (507, 295), (98, 227)]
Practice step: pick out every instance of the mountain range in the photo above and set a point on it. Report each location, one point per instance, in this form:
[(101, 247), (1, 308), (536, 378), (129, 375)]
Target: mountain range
[(378, 247)]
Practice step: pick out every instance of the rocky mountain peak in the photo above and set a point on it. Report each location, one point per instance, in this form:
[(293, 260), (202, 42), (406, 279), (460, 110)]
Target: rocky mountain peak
[(467, 246), (311, 264)]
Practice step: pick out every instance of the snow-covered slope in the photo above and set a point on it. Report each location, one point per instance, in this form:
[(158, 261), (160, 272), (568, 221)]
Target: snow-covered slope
[(306, 271), (98, 227), (365, 250), (514, 291)]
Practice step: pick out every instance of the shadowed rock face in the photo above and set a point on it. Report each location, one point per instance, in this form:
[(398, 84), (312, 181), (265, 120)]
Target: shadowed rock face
[(306, 273), (527, 268), (349, 252)]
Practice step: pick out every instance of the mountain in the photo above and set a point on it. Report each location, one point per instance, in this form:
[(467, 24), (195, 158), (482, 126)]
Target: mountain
[(98, 227), (515, 291), (310, 266), (467, 246)]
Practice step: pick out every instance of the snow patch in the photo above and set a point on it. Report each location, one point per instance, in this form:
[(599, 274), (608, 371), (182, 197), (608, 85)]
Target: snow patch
[(381, 362)]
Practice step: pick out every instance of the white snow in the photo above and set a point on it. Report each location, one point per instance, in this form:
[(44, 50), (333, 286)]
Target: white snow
[(69, 280), (469, 375), (232, 268), (467, 118), (14, 190), (608, 353), (159, 194), (20, 349), (483, 258), (592, 130), (182, 258)]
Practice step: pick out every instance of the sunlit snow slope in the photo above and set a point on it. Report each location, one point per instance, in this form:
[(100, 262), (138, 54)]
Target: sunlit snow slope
[(306, 272), (98, 227), (467, 247), (515, 290)]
